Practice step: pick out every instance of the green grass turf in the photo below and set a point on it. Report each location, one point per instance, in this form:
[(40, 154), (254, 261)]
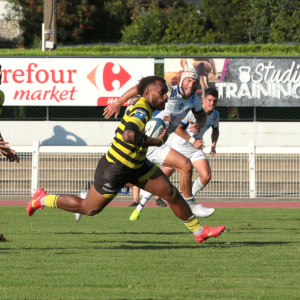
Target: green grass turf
[(50, 256)]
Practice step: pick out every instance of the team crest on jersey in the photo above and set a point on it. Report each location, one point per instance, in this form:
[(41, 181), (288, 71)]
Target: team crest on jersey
[(140, 114)]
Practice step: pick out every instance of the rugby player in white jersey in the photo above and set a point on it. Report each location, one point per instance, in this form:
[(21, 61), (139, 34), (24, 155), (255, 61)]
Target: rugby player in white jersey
[(183, 143), (183, 139), (182, 99)]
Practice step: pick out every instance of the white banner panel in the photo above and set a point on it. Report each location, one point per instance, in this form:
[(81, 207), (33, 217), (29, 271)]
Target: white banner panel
[(70, 81)]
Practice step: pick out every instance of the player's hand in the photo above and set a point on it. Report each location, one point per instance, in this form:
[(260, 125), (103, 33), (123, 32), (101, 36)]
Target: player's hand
[(3, 145), (195, 128), (213, 151), (198, 144), (168, 119), (113, 108), (164, 136), (12, 156)]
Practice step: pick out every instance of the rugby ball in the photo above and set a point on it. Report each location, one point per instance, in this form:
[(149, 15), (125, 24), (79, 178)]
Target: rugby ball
[(155, 127)]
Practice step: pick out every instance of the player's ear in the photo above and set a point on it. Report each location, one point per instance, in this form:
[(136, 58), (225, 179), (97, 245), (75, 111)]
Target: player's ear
[(146, 93)]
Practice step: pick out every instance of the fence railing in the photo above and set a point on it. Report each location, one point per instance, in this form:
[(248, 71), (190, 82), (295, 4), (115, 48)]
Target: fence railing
[(237, 172)]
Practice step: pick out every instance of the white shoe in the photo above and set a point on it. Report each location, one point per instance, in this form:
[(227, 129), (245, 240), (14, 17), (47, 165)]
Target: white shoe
[(200, 211)]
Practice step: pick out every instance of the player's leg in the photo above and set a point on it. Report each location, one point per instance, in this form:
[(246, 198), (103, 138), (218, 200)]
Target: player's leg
[(159, 183), (203, 168), (108, 181), (156, 155), (136, 196), (169, 172), (200, 163), (169, 158), (91, 205), (181, 163), (146, 196)]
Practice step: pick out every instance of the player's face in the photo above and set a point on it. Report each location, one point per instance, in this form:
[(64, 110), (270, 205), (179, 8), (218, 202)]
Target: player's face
[(158, 95), (209, 103), (189, 86)]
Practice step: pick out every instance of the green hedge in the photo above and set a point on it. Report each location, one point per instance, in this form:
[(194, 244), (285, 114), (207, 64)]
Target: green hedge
[(163, 50)]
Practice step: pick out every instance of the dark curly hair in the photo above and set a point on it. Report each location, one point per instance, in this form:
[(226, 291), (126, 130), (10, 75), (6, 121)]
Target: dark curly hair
[(211, 91), (146, 81)]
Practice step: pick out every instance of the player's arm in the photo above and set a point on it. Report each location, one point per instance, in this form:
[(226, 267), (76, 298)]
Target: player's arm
[(114, 108), (132, 135), (201, 118), (180, 130), (214, 138)]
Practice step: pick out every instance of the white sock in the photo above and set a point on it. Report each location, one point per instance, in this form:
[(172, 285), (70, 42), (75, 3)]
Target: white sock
[(199, 231), (42, 201), (144, 200), (190, 200), (197, 186)]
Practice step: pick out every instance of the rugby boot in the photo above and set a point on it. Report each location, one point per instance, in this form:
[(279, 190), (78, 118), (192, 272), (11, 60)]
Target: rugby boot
[(208, 232), (135, 215), (35, 203)]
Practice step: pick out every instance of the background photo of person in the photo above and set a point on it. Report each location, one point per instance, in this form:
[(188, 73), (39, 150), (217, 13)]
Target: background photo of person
[(210, 71)]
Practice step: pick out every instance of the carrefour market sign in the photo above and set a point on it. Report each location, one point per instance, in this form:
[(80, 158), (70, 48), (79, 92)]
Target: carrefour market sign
[(70, 81)]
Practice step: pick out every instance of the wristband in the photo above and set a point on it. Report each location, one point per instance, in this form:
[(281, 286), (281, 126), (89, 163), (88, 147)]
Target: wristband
[(167, 124), (192, 140), (162, 141)]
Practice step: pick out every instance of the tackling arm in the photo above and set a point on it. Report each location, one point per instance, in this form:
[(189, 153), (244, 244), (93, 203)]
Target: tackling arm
[(200, 122), (198, 144), (114, 108)]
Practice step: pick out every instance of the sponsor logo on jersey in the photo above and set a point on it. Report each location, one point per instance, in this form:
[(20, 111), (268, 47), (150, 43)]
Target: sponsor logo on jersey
[(140, 114)]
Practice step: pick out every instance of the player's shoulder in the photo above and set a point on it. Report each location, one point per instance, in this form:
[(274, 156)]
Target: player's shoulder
[(215, 115), (194, 99), (140, 103)]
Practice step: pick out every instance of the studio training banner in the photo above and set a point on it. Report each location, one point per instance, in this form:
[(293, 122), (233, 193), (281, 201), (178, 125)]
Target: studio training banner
[(244, 82)]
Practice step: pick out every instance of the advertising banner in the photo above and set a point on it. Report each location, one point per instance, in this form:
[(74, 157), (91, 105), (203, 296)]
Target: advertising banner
[(244, 82), (70, 81)]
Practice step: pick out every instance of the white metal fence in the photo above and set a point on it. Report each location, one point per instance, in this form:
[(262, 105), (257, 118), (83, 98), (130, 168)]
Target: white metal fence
[(246, 172)]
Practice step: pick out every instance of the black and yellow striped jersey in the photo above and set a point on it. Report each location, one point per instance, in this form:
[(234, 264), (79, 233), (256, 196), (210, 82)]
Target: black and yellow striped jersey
[(124, 153)]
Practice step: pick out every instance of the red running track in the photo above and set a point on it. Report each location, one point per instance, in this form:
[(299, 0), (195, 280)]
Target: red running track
[(230, 204)]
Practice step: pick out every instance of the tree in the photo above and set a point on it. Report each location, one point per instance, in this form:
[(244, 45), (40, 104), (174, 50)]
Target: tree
[(179, 23), (282, 17), (229, 20)]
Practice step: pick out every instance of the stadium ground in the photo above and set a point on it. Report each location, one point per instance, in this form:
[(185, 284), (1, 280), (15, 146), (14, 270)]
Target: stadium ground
[(217, 204)]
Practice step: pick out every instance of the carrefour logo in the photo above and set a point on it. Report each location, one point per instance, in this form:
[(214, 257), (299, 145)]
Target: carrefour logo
[(110, 79)]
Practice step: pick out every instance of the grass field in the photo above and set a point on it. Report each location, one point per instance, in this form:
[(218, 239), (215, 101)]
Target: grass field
[(50, 256)]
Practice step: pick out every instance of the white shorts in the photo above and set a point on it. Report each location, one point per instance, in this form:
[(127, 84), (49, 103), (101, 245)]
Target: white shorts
[(157, 155), (191, 155)]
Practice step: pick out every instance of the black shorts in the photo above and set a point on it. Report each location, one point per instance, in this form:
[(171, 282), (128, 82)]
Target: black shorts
[(110, 177)]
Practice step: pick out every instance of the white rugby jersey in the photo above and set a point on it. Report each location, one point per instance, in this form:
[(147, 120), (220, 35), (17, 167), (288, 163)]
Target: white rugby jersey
[(178, 107), (212, 121)]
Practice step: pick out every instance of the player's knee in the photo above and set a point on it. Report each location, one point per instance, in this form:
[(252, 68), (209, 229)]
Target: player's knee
[(205, 179), (91, 211), (187, 167), (171, 194)]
